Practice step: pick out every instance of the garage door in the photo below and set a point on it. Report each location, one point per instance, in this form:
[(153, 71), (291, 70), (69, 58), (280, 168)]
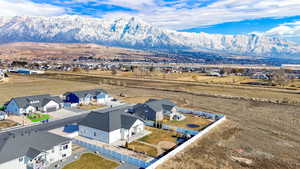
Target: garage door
[(51, 109)]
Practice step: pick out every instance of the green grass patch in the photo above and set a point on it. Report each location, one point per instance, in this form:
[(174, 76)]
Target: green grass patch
[(92, 161), (38, 117)]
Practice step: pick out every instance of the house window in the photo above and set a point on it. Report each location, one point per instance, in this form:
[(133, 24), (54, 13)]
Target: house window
[(65, 147), (21, 159), (95, 134)]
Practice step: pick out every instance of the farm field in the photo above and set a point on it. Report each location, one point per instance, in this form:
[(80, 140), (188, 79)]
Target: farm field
[(264, 133), (92, 161)]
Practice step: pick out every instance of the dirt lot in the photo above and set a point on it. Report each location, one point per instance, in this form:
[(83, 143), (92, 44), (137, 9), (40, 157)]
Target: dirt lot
[(268, 134), (7, 123)]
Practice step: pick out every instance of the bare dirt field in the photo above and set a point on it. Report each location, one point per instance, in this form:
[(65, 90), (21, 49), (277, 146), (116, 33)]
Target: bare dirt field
[(257, 135)]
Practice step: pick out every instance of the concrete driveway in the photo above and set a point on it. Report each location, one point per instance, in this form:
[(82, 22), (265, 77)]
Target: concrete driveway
[(64, 113)]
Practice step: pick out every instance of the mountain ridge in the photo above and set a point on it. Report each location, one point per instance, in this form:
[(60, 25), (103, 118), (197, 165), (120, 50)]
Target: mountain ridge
[(131, 32)]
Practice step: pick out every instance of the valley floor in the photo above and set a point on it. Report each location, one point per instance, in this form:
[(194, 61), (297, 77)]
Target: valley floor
[(256, 134)]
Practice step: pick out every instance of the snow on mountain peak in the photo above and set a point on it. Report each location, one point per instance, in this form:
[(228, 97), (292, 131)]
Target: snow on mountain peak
[(132, 32)]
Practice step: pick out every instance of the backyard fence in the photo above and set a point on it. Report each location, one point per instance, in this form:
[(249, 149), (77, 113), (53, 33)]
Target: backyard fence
[(199, 113), (156, 162), (168, 127), (113, 154)]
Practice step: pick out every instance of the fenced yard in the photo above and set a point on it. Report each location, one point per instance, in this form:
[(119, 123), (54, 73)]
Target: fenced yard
[(143, 148), (192, 122)]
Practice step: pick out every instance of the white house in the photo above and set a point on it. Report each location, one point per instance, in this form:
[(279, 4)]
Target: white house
[(31, 104), (35, 150), (97, 96), (110, 126)]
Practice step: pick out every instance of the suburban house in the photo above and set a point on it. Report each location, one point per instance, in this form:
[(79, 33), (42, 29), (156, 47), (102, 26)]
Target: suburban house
[(31, 104), (155, 110), (110, 126), (3, 115), (97, 96), (35, 150)]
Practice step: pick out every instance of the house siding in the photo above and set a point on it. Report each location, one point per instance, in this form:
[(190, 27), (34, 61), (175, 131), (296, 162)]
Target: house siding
[(13, 108), (51, 104), (90, 133), (14, 164)]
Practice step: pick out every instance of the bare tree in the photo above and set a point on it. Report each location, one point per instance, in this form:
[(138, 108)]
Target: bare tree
[(280, 78)]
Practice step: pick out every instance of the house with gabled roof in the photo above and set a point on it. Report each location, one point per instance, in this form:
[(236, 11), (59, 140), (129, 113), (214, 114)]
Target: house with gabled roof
[(98, 96), (31, 104), (110, 126), (33, 150), (155, 110)]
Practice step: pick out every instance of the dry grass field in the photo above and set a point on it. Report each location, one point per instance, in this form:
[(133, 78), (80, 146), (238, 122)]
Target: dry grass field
[(264, 133), (92, 161), (25, 86), (143, 148), (7, 123)]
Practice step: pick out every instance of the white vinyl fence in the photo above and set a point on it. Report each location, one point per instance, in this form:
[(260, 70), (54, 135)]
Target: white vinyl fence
[(157, 162)]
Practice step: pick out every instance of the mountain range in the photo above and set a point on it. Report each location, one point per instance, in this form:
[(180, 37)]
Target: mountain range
[(130, 32)]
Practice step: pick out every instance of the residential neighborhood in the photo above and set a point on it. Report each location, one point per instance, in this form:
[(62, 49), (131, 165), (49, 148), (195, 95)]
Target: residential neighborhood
[(58, 123)]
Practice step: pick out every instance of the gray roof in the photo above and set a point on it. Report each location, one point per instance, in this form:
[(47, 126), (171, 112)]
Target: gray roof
[(32, 153), (159, 105), (19, 145), (109, 120), (36, 101), (84, 93)]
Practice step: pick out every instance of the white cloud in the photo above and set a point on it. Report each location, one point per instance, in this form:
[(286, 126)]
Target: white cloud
[(28, 8), (287, 30), (184, 16)]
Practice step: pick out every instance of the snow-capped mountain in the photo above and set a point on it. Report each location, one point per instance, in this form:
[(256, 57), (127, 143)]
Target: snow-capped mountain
[(134, 33)]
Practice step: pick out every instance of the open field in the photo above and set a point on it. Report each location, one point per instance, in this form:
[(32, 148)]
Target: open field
[(143, 148), (7, 123), (18, 86), (244, 91), (190, 119), (91, 161), (265, 133)]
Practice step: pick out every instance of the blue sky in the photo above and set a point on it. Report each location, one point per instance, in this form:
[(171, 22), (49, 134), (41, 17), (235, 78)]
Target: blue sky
[(269, 17)]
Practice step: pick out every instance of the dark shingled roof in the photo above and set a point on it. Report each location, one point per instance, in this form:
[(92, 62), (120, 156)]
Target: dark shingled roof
[(159, 105), (84, 93), (109, 120), (32, 152), (36, 101), (18, 145)]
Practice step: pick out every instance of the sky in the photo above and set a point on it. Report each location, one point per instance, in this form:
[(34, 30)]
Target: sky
[(280, 18)]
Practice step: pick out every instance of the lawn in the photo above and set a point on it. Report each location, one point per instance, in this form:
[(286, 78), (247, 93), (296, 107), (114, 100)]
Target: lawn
[(143, 148), (158, 135), (92, 161), (38, 117), (91, 107), (190, 119), (7, 123)]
